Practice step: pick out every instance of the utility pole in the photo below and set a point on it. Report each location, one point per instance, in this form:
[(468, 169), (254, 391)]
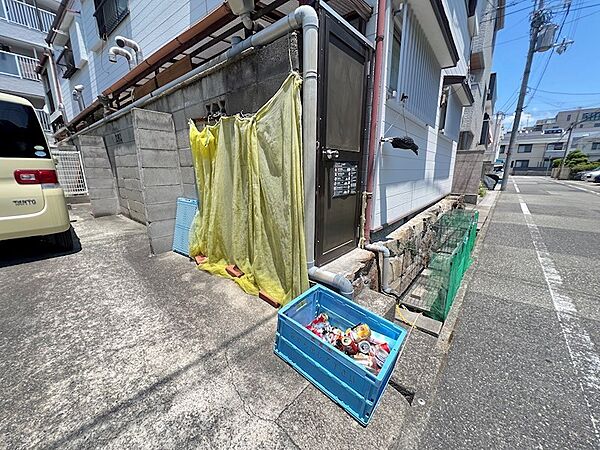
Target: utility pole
[(499, 118), (537, 20), (566, 152)]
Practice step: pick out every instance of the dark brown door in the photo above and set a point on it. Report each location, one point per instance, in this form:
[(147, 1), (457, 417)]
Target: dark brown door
[(343, 69)]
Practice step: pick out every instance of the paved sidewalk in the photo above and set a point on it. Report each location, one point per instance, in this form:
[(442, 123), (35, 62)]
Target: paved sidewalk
[(516, 375)]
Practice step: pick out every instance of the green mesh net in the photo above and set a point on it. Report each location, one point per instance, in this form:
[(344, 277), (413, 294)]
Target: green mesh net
[(454, 240)]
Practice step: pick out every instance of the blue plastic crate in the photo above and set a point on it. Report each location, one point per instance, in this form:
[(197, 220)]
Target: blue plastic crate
[(353, 387), (186, 210)]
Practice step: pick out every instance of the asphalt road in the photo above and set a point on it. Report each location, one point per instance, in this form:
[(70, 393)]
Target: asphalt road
[(523, 370)]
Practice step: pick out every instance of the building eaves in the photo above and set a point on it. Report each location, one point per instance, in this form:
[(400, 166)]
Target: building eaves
[(444, 24), (58, 18), (433, 19), (461, 88)]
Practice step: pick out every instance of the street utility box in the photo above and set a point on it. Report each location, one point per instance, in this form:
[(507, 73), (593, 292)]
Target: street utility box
[(338, 375)]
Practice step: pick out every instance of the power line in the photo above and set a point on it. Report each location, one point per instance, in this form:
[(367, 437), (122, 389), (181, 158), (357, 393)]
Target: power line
[(569, 93), (548, 9)]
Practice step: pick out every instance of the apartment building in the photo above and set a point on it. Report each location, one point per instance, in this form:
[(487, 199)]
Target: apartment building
[(23, 27), (536, 146), (478, 126), (166, 77)]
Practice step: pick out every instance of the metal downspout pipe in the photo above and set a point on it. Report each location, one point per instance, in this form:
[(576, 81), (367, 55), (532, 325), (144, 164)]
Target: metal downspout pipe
[(375, 115), (385, 269)]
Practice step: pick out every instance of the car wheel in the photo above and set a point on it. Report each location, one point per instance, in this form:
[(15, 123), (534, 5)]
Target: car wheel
[(64, 240)]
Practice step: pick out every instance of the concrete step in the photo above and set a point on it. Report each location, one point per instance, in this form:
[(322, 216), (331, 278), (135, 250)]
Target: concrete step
[(415, 304), (381, 304), (415, 298), (425, 324)]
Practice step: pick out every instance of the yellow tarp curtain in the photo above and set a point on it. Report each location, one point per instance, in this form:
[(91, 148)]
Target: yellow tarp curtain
[(249, 176)]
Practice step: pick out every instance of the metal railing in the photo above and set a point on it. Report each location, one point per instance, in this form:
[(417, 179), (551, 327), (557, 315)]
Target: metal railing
[(27, 16), (18, 66), (69, 169), (44, 120)]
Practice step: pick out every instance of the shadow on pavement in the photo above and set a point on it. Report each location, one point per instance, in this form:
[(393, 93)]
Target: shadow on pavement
[(19, 251)]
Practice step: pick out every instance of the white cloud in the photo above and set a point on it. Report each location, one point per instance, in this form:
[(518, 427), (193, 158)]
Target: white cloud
[(527, 119)]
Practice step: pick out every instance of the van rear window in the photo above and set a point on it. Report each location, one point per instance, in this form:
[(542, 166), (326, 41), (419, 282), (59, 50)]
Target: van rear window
[(21, 135)]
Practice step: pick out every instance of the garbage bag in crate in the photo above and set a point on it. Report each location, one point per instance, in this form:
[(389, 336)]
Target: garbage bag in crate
[(345, 350)]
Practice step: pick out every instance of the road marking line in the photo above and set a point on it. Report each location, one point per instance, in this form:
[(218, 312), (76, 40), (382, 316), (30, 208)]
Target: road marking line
[(524, 208), (582, 352), (576, 187), (516, 187)]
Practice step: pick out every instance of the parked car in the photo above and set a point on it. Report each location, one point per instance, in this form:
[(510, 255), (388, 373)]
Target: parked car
[(580, 175), (597, 178), (32, 203), (591, 175)]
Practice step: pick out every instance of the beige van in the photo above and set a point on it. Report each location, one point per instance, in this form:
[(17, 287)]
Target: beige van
[(32, 203)]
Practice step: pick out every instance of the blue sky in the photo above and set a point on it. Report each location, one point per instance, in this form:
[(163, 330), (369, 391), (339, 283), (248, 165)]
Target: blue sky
[(575, 71)]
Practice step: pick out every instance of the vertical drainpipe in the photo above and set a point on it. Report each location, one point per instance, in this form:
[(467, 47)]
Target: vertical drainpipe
[(310, 41), (375, 115)]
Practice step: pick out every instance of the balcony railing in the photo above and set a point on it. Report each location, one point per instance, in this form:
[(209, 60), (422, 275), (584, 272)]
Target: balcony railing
[(18, 66), (27, 16), (44, 120)]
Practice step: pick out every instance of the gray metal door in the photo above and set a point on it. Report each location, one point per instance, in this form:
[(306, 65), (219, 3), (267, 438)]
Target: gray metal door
[(343, 69)]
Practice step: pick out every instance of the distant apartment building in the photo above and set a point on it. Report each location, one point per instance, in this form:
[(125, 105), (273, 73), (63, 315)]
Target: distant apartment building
[(23, 27), (478, 126), (535, 147)]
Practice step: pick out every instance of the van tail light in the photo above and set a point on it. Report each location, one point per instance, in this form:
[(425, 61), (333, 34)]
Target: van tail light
[(40, 176)]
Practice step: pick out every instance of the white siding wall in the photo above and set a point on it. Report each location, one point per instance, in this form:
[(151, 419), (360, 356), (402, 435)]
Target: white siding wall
[(151, 23), (419, 70), (404, 182)]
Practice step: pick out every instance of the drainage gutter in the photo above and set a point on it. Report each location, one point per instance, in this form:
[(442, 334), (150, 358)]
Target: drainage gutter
[(339, 282)]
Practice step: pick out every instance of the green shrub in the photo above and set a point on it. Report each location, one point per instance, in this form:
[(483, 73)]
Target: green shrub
[(482, 189), (556, 162), (584, 167), (576, 158)]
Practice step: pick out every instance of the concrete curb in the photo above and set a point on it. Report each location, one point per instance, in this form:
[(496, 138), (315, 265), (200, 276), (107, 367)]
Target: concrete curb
[(445, 337), (418, 417)]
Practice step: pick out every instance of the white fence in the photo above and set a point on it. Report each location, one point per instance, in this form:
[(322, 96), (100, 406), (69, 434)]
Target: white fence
[(18, 66), (69, 169), (44, 120), (26, 15)]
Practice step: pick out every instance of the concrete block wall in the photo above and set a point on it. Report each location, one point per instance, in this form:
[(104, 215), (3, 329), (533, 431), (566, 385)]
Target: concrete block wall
[(160, 174), (99, 175), (467, 174), (119, 138), (145, 156), (242, 86)]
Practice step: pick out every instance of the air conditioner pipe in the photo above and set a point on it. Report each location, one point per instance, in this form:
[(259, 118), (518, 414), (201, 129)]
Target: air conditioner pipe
[(304, 17), (113, 52), (385, 267), (339, 282)]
